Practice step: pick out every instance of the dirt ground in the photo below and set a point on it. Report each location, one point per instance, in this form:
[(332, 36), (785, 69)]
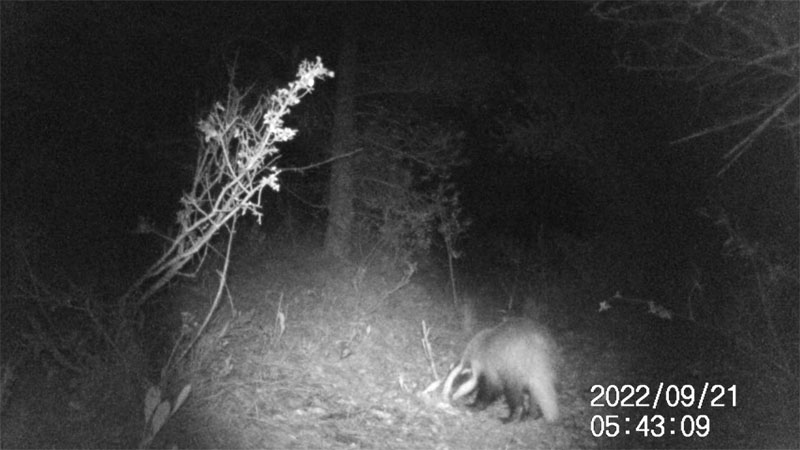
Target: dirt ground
[(349, 372)]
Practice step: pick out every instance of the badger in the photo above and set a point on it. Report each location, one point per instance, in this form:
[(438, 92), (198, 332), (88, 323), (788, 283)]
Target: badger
[(515, 359)]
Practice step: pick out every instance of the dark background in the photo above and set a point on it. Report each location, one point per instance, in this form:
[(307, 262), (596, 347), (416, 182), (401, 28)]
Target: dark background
[(99, 102)]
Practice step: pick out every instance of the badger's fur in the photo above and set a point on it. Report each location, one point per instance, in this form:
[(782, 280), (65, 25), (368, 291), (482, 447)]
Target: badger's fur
[(513, 359)]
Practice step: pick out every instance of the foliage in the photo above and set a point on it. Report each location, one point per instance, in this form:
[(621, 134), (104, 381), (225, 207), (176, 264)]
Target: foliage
[(237, 160), (403, 187), (744, 58), (767, 319), (762, 316)]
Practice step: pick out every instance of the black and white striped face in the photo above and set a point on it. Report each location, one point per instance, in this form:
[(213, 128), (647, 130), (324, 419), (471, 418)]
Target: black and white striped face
[(461, 381)]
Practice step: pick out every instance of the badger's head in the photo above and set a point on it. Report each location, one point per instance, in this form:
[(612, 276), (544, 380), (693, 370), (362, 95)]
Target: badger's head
[(460, 381)]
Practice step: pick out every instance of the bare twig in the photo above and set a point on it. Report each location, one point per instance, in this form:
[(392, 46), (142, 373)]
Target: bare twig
[(733, 154), (745, 49)]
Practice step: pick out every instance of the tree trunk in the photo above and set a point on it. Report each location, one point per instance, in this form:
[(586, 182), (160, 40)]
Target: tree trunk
[(340, 199)]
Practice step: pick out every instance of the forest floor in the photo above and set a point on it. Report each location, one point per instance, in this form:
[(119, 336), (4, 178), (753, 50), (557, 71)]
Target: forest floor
[(348, 370)]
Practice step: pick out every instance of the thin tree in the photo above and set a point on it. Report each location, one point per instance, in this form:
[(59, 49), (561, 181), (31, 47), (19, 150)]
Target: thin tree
[(340, 206)]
